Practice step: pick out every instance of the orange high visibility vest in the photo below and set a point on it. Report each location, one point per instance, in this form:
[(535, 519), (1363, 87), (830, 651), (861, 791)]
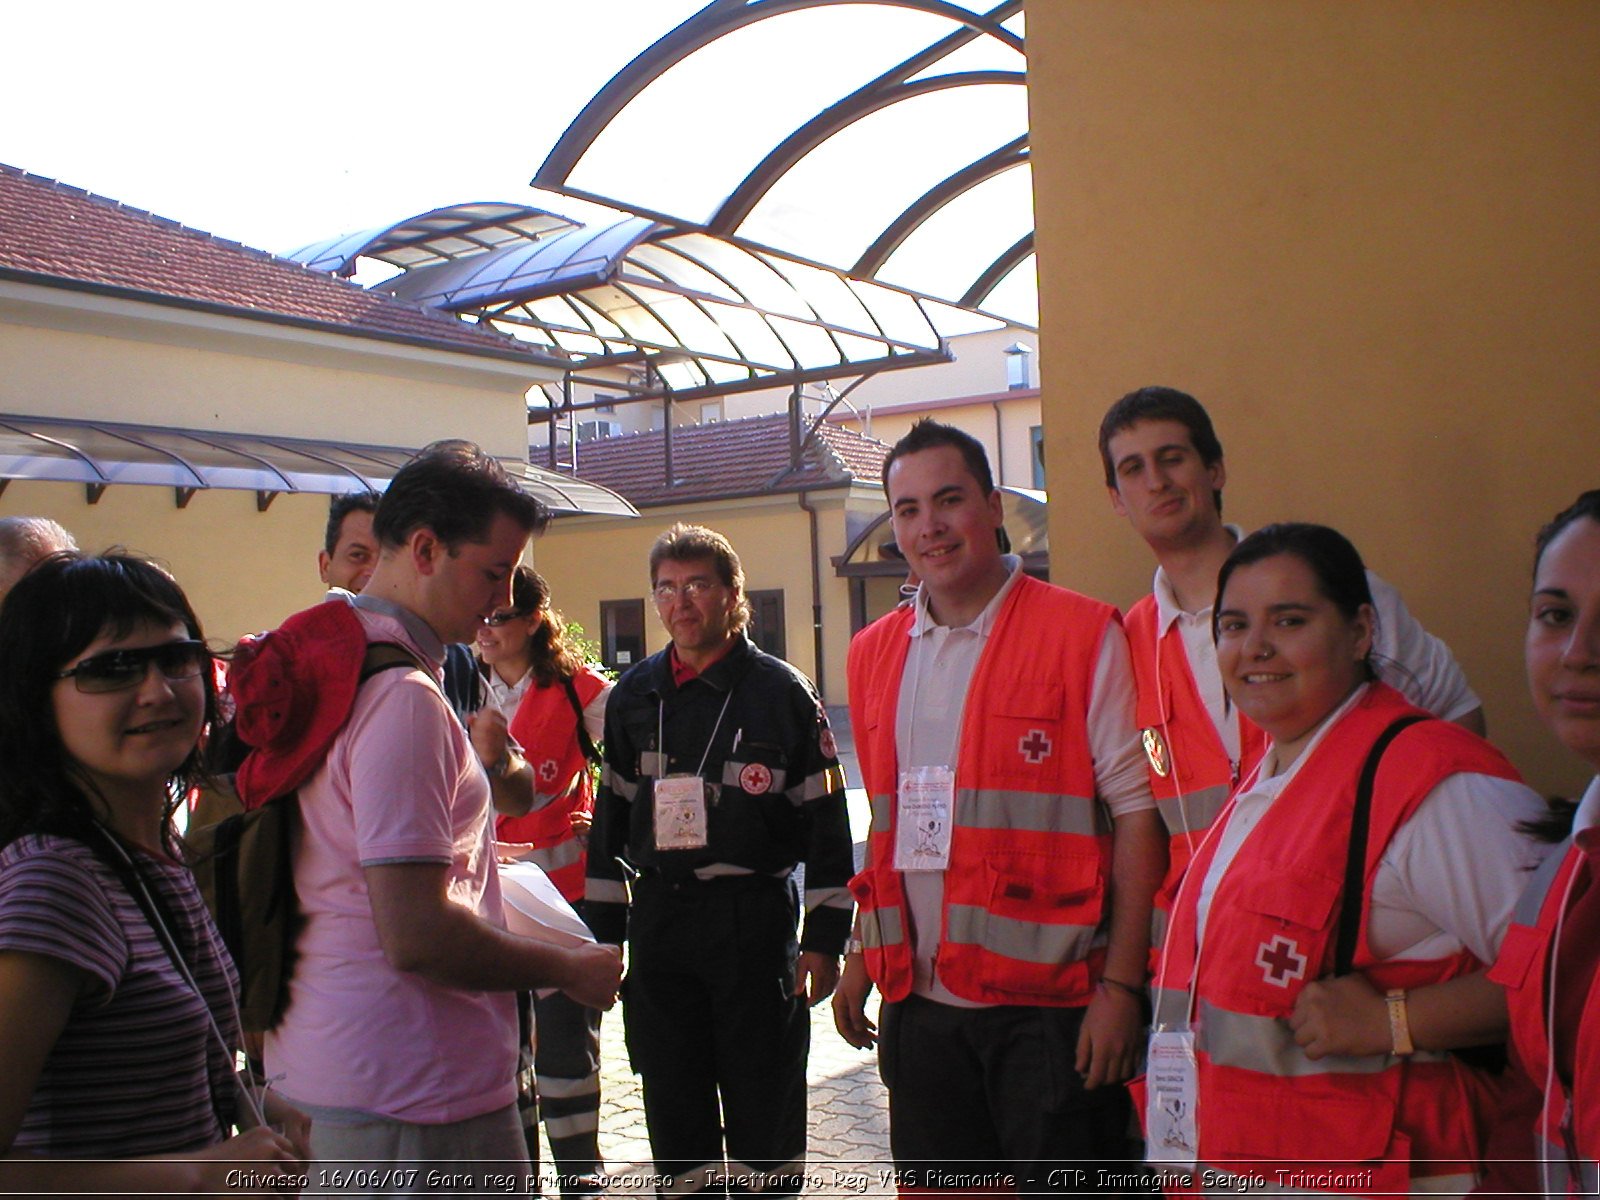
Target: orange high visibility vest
[(1024, 895), (1567, 1135), (1262, 1103), (546, 728)]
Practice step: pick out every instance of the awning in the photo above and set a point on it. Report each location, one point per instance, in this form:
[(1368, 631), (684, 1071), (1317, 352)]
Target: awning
[(99, 454)]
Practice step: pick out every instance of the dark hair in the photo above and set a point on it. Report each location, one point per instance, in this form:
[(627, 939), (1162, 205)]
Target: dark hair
[(553, 658), (1586, 505), (690, 543), (60, 607), (1160, 404), (341, 507), (1335, 564), (928, 434), (455, 489)]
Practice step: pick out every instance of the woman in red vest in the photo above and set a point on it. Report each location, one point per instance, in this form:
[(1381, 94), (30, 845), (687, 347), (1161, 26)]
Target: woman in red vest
[(1548, 960), (554, 703), (1327, 947)]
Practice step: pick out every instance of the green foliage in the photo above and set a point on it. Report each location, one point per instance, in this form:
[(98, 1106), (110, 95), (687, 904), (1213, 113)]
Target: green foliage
[(588, 648)]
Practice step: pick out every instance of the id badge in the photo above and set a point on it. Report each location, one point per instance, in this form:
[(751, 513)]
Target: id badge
[(1171, 1130), (680, 812), (926, 806)]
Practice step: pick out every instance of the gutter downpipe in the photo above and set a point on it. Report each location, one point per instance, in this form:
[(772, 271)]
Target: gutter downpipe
[(816, 596), (999, 445)]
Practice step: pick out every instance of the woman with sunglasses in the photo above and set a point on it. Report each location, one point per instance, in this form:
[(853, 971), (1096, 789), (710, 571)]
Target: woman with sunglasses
[(1328, 946), (552, 705), (1550, 953), (117, 998)]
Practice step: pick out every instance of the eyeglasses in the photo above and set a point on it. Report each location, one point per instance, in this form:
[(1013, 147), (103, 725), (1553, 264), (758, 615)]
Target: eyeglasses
[(495, 620), (118, 670), (666, 593)]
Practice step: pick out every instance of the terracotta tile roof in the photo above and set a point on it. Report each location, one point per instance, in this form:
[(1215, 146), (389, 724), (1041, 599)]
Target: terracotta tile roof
[(53, 233), (725, 459)]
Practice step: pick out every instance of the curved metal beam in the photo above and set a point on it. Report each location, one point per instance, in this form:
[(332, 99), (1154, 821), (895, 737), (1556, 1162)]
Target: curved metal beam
[(782, 157), (705, 27), (1012, 154), (974, 296)]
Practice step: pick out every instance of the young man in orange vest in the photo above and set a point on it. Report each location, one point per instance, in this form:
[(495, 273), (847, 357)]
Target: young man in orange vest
[(1005, 905), (1164, 472)]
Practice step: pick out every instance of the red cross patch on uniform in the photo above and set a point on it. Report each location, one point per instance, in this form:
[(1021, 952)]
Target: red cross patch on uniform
[(547, 770), (825, 743), (1035, 746), (755, 779), (1280, 961)]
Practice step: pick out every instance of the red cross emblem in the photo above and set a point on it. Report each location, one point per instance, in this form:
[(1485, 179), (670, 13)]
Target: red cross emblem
[(826, 743), (755, 779), (547, 770), (1034, 746), (1280, 961)]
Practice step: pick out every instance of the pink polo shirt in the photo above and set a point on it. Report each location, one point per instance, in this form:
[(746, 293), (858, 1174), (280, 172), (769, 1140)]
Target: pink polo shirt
[(401, 784)]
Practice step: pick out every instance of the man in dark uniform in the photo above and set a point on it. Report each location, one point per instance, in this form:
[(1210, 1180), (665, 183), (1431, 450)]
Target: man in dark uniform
[(720, 777)]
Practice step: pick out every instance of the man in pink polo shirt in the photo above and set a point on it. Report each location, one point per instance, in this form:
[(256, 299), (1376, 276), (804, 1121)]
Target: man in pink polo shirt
[(401, 1030)]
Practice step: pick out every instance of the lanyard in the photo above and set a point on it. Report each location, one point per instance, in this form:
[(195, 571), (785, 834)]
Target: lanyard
[(661, 734)]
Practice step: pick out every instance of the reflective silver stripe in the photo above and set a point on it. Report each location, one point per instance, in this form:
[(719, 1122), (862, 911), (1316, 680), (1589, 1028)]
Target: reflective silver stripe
[(652, 763), (882, 810), (732, 770), (834, 897), (1556, 1171), (882, 927), (605, 891), (1035, 812), (562, 854), (1195, 811), (819, 785), (572, 1125), (1539, 884), (713, 870), (1266, 1044), (1171, 1007), (543, 800), (1026, 941), (1158, 927), (557, 1087), (617, 784)]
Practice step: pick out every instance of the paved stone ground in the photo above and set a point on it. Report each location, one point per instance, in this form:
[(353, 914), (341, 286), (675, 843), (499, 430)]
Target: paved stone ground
[(849, 1121)]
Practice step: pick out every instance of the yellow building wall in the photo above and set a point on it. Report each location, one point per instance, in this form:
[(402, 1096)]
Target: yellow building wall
[(590, 559), (1366, 237), (1004, 427), (244, 570)]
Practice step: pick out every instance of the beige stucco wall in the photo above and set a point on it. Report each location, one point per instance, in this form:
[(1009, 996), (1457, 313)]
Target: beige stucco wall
[(83, 357), (590, 559), (1365, 236), (1004, 425)]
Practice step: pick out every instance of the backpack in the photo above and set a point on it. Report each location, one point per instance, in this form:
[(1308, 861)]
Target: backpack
[(293, 688)]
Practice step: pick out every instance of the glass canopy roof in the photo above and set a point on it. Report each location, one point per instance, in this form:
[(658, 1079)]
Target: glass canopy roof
[(99, 454), (900, 156)]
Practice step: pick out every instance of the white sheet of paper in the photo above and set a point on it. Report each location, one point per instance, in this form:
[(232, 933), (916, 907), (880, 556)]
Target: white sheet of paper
[(534, 908)]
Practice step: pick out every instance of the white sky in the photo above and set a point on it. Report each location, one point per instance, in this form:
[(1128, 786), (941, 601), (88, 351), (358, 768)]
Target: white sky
[(284, 123)]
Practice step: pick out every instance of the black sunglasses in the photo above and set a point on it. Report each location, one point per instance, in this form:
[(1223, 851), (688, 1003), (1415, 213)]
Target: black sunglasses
[(118, 670), (495, 620)]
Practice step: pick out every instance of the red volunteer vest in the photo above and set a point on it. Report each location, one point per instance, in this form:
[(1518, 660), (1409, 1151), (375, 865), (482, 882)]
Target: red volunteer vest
[(1568, 1134), (546, 728), (1030, 849), (1191, 775), (1353, 1125)]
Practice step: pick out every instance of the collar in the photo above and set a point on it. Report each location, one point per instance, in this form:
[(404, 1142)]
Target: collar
[(720, 673), (922, 622), (1328, 722), (1167, 609), (418, 630), (1588, 814)]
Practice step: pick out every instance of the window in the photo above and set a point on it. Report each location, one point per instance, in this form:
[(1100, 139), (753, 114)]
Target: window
[(1036, 455), (711, 411), (605, 404), (621, 633), (766, 622)]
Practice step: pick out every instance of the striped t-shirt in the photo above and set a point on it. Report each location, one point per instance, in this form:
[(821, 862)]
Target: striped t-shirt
[(136, 1067)]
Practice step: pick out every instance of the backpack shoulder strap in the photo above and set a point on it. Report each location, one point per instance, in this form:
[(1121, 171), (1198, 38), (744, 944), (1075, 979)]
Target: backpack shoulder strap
[(590, 751)]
